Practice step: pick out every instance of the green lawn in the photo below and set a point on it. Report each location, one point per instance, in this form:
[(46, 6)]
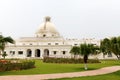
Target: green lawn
[(112, 76), (47, 68)]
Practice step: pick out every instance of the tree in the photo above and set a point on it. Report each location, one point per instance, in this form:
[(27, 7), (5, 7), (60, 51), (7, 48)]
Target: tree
[(111, 45), (105, 46), (118, 40), (115, 46), (3, 42), (86, 50), (75, 50), (4, 55)]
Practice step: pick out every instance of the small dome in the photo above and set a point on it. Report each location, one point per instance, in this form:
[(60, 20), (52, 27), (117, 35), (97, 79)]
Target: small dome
[(47, 29)]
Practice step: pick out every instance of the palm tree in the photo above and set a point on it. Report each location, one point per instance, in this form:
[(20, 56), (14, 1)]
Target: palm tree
[(86, 50), (118, 41), (105, 46), (111, 45), (75, 50), (115, 46), (3, 42)]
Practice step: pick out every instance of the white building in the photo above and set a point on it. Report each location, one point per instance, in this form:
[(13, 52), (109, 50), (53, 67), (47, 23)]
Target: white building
[(47, 42)]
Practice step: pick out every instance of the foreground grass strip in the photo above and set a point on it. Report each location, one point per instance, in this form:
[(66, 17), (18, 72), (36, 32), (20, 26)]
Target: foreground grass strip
[(49, 68), (111, 76), (101, 71)]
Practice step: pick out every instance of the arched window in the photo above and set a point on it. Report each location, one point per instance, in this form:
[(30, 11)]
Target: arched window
[(64, 52), (37, 53), (29, 53), (46, 53)]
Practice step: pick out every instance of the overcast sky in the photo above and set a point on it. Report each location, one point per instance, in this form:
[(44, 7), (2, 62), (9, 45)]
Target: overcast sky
[(73, 18)]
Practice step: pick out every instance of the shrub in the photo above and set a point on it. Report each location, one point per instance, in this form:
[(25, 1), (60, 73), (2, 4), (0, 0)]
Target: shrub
[(68, 60), (7, 65)]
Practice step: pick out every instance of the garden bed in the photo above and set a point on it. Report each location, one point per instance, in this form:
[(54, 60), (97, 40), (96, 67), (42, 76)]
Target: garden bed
[(8, 65), (68, 60)]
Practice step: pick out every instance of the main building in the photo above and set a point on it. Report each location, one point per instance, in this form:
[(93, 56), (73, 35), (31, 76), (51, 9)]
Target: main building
[(47, 42)]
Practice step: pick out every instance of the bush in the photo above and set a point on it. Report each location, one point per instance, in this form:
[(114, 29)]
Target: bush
[(7, 65), (68, 60)]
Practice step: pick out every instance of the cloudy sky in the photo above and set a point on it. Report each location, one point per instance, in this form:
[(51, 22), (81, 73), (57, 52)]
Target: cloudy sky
[(73, 18)]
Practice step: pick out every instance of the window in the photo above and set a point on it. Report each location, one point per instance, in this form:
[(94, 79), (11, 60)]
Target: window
[(20, 52), (56, 43), (109, 54), (49, 43), (75, 44), (30, 44), (44, 35), (54, 52), (12, 52), (64, 52)]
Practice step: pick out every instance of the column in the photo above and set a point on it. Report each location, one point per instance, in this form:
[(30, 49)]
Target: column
[(33, 53), (41, 53)]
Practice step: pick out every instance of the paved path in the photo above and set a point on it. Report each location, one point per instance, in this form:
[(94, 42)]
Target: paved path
[(105, 70)]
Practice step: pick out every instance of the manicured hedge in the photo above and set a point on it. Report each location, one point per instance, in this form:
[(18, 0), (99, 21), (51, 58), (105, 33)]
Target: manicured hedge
[(68, 60), (7, 65)]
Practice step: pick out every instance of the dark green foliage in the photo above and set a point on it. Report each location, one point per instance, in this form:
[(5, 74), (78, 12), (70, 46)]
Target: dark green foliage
[(88, 49), (68, 60), (27, 64), (85, 50), (3, 42), (111, 45), (105, 46), (4, 55), (115, 46), (75, 50), (17, 65)]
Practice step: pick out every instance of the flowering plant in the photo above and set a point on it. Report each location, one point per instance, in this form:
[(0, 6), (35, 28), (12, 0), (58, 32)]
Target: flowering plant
[(4, 61)]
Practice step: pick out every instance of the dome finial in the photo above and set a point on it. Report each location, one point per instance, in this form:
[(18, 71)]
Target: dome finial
[(47, 18)]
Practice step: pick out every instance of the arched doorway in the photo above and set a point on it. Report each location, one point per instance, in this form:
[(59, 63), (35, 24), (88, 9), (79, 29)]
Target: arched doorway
[(37, 53), (29, 53), (46, 53)]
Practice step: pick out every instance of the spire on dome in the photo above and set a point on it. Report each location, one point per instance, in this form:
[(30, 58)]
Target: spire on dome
[(47, 19)]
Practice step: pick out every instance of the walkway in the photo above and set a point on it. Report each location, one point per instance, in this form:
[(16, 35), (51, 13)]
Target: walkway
[(105, 70)]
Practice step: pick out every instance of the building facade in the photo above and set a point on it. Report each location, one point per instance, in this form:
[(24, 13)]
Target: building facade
[(47, 42)]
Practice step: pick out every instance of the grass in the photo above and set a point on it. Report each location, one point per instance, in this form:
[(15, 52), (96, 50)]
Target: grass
[(48, 68), (111, 76)]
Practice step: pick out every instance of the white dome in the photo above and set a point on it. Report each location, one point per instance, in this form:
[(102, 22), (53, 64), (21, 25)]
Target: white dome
[(47, 29)]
